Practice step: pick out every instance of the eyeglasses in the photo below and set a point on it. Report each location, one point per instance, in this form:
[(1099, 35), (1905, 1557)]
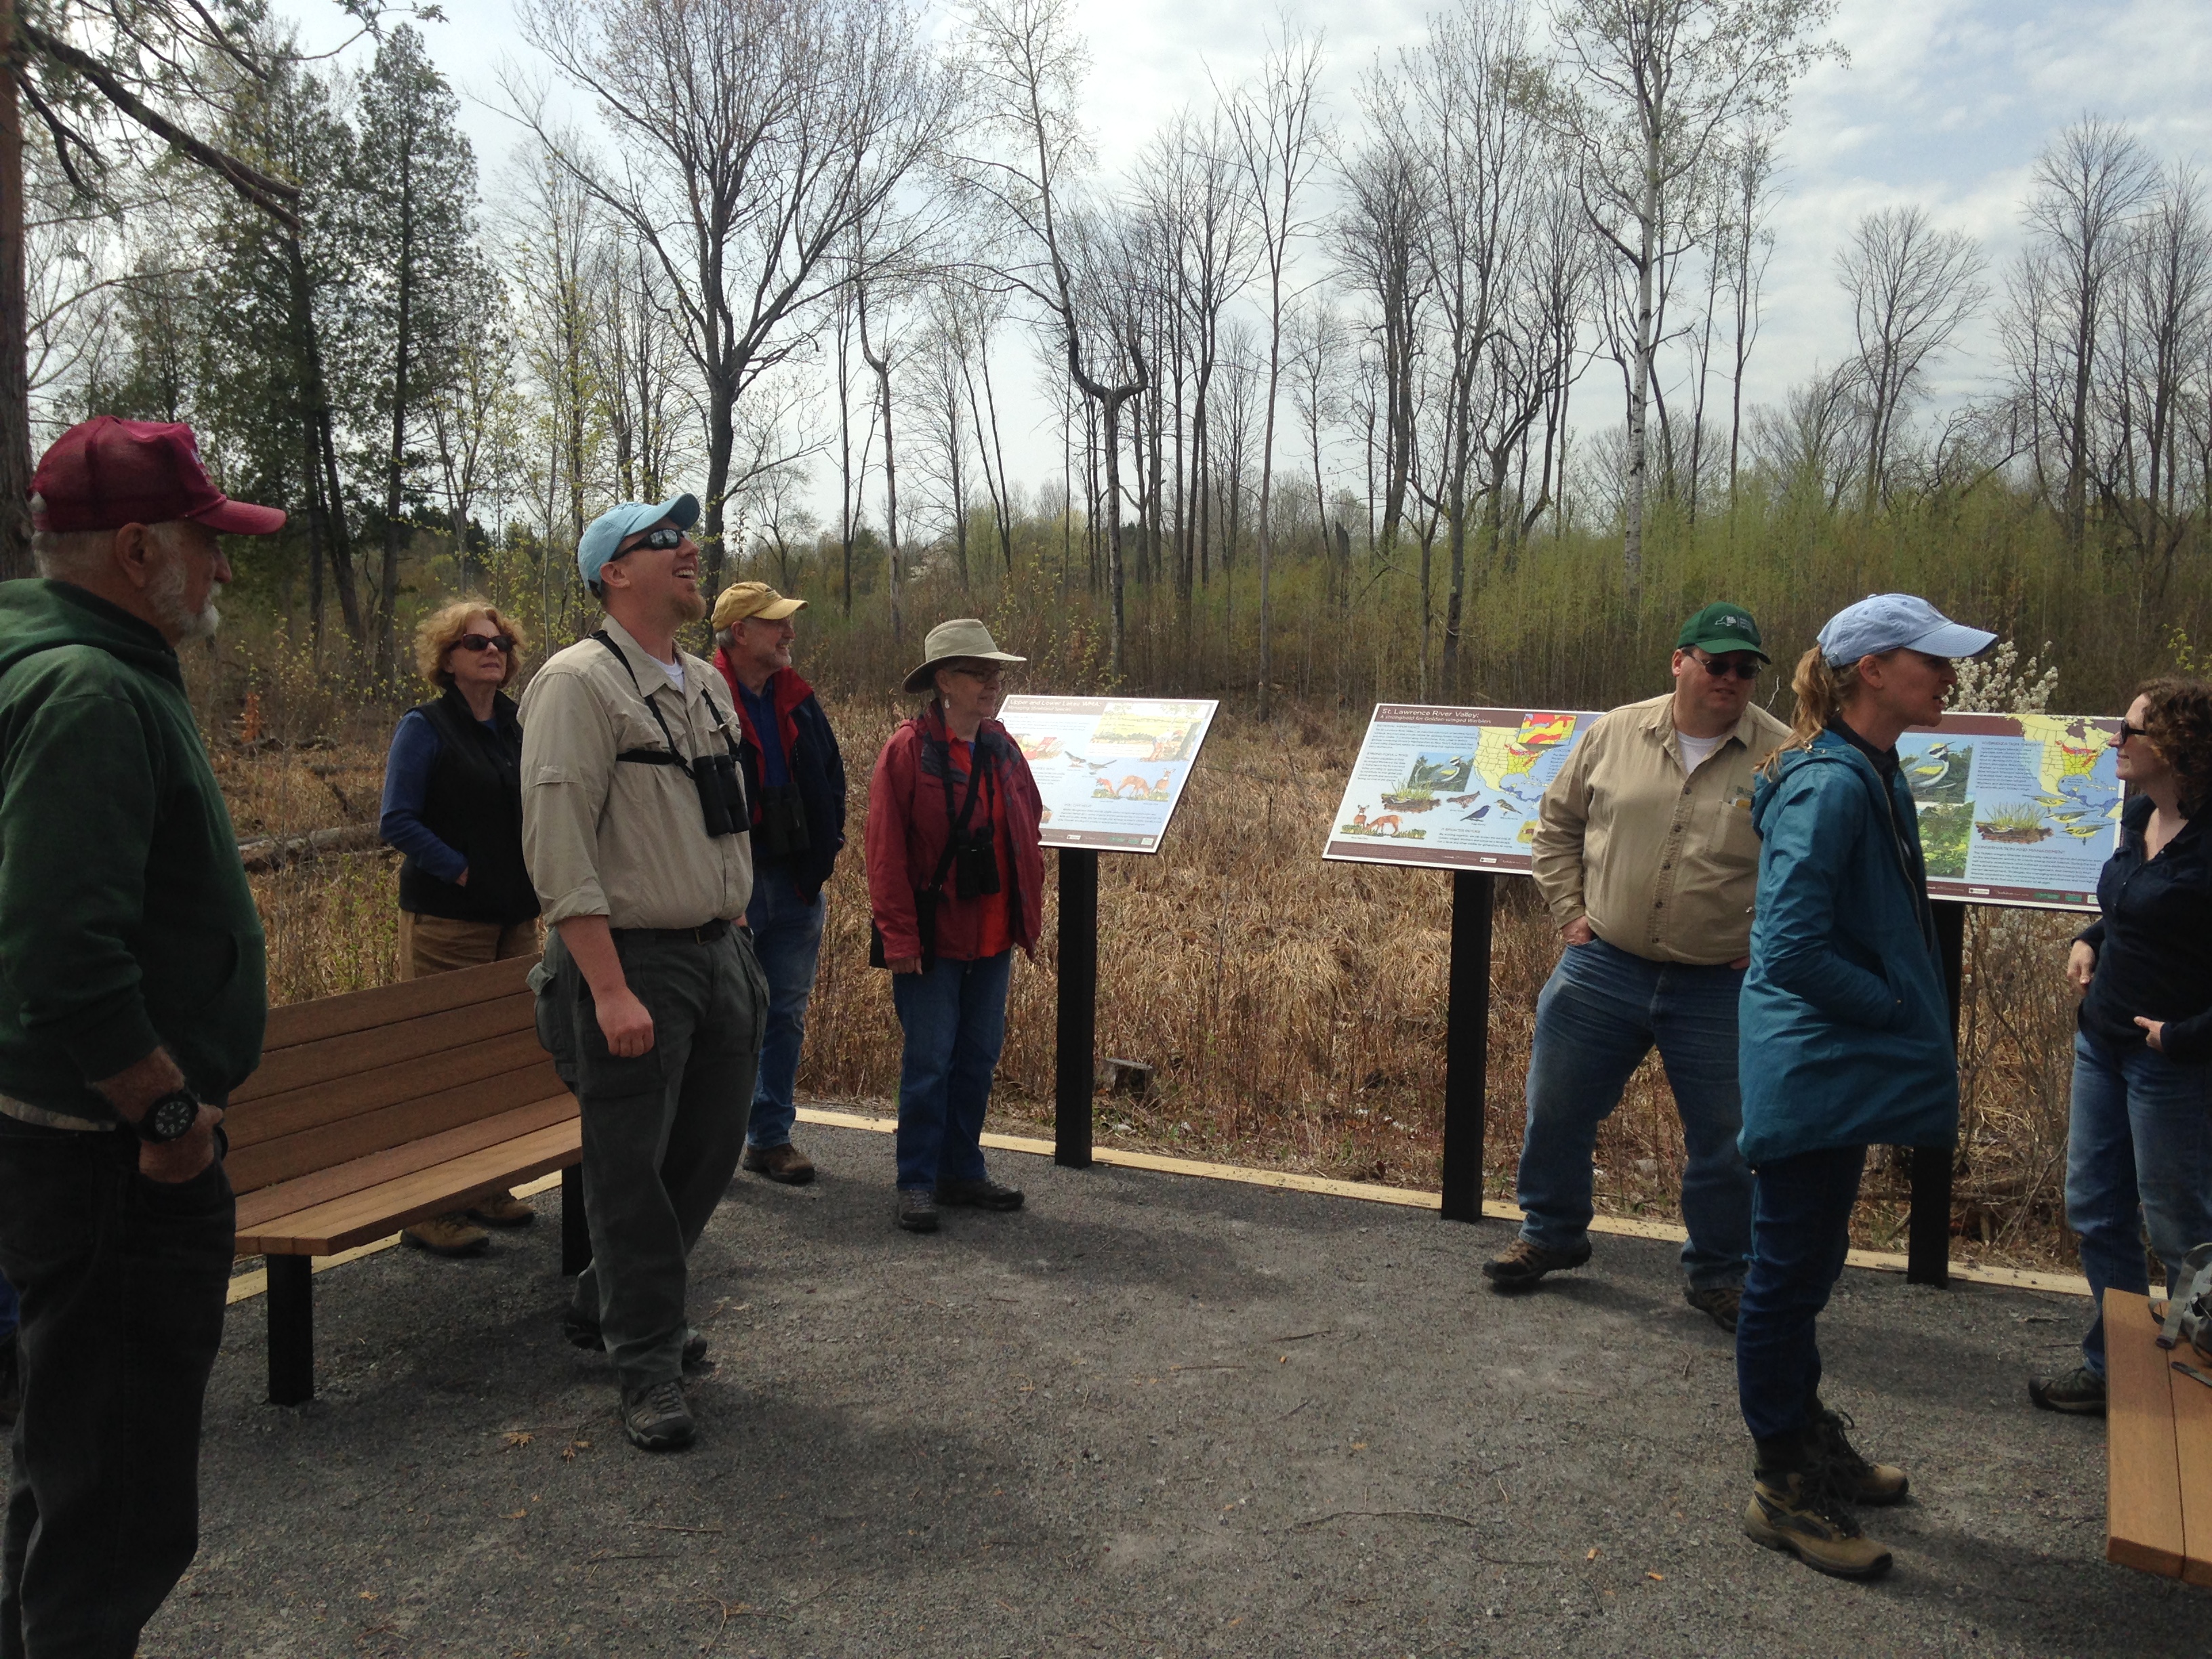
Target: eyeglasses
[(502, 643), (2128, 730), (1744, 666), (981, 676), (660, 540)]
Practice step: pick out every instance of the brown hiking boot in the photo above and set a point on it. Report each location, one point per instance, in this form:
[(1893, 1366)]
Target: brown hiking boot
[(2079, 1391), (1718, 1302), (448, 1235), (502, 1210), (1855, 1479), (1524, 1263), (785, 1164), (1797, 1511)]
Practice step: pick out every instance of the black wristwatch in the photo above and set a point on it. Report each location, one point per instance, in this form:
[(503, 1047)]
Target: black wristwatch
[(170, 1118)]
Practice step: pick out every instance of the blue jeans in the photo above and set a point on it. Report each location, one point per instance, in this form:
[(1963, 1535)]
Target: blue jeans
[(2138, 1158), (1800, 1232), (8, 1318), (787, 939), (954, 1015), (1599, 1015)]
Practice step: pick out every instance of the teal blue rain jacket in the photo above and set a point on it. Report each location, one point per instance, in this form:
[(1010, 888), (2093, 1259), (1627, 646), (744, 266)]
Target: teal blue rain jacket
[(1845, 1029)]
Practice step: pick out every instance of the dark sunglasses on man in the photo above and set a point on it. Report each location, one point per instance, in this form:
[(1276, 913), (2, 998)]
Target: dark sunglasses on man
[(1742, 664), (667, 536), (502, 643)]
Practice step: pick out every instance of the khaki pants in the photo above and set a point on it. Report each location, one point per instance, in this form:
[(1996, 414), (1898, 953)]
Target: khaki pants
[(438, 945)]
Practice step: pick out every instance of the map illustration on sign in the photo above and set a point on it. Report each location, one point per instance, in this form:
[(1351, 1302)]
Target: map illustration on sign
[(1452, 788), (1111, 769), (2015, 809)]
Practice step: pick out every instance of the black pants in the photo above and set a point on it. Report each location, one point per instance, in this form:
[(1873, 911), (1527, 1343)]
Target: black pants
[(123, 1283), (662, 1132)]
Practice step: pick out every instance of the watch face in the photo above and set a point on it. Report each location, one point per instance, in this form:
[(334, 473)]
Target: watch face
[(170, 1117)]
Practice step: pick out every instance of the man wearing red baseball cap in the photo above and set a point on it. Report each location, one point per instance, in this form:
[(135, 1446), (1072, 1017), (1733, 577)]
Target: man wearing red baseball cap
[(131, 1002)]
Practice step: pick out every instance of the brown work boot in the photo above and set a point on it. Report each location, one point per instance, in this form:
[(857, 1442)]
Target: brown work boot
[(1854, 1479), (502, 1210), (1799, 1512), (1719, 1303), (785, 1164), (1524, 1263), (448, 1235)]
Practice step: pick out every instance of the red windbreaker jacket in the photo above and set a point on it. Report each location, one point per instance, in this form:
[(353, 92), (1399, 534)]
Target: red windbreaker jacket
[(909, 828)]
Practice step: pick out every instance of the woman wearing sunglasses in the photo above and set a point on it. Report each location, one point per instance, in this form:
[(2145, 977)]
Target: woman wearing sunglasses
[(452, 803), (2139, 1148)]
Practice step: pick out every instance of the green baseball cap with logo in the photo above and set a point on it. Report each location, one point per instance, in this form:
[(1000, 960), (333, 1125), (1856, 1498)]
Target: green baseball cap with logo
[(1722, 626)]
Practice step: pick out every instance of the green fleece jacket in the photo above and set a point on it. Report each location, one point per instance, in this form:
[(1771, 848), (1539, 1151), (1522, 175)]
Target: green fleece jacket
[(126, 920)]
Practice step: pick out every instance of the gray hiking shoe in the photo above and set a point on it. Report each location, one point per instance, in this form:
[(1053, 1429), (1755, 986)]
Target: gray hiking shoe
[(2079, 1391), (1718, 1302), (1524, 1263), (656, 1417)]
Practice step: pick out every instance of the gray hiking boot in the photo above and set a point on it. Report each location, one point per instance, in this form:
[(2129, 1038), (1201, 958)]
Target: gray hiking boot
[(656, 1417)]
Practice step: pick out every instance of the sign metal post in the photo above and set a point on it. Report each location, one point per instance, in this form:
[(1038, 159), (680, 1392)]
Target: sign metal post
[(1075, 1062), (1928, 1225), (1467, 1044)]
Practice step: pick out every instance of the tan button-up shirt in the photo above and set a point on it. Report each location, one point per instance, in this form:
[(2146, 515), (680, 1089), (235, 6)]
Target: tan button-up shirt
[(621, 839), (1665, 865)]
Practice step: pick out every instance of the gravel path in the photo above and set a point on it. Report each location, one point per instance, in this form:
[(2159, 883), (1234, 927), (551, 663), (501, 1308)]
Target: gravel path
[(1149, 1416)]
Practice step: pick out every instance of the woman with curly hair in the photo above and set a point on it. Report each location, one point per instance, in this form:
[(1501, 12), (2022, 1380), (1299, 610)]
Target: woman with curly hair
[(452, 803), (2139, 1149)]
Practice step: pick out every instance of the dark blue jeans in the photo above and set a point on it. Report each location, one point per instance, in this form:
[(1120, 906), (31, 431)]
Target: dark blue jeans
[(1600, 1012), (2138, 1160), (787, 940), (7, 1314), (1800, 1232), (123, 1283), (954, 1015)]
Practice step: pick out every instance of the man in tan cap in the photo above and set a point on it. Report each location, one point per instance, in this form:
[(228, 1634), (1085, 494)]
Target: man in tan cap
[(795, 779)]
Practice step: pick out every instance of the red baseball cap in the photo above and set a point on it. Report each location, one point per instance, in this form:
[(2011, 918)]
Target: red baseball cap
[(104, 473)]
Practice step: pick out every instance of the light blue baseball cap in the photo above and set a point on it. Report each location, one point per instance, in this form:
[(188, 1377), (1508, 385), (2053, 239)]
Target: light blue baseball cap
[(605, 533), (1890, 621)]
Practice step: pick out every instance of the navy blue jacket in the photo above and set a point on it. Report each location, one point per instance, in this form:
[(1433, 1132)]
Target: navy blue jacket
[(811, 755), (2153, 941)]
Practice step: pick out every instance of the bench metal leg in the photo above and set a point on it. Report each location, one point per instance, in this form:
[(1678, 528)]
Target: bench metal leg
[(575, 1229), (291, 1330)]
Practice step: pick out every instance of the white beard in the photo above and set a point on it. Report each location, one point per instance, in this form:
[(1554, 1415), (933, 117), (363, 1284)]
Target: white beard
[(166, 595)]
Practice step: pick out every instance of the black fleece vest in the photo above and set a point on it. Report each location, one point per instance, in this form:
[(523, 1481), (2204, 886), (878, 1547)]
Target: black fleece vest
[(474, 805)]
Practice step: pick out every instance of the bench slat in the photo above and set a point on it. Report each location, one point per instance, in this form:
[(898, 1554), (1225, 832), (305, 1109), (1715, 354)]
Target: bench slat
[(327, 1229), (331, 1058), (271, 1162), (339, 1181), (316, 1105), (372, 1010), (2192, 1437), (2143, 1526)]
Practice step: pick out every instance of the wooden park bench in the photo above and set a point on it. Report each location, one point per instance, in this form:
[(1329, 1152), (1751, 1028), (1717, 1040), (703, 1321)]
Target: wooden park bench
[(380, 1109), (2159, 1429)]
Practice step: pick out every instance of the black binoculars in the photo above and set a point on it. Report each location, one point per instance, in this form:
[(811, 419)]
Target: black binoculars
[(781, 831), (721, 796), (977, 862)]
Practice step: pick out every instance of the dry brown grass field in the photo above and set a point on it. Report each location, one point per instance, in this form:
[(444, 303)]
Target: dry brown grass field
[(1293, 1009)]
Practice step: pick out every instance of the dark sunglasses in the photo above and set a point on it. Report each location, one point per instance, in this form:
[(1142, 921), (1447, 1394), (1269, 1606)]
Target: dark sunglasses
[(502, 643), (2127, 730), (1744, 667), (660, 541)]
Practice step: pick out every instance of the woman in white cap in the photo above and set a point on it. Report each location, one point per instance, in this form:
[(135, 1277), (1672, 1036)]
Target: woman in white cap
[(956, 882), (1844, 1039)]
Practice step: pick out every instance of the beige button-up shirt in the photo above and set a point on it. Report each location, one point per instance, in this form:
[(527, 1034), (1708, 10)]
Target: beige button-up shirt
[(621, 839), (1664, 863)]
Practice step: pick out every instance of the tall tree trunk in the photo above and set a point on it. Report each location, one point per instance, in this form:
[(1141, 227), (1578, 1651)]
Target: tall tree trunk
[(882, 366), (14, 368), (1639, 395), (388, 588)]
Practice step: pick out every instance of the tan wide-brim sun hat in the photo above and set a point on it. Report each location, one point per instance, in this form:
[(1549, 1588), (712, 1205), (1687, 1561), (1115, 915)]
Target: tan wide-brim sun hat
[(962, 639)]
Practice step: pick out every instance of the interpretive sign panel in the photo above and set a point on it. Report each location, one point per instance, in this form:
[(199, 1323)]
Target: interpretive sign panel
[(1111, 769), (1452, 788), (2017, 810)]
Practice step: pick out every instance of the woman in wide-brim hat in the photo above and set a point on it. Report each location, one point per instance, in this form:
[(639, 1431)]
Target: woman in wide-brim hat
[(956, 883)]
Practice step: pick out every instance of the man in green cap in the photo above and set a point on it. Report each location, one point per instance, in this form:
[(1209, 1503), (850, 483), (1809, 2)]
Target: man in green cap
[(1646, 855)]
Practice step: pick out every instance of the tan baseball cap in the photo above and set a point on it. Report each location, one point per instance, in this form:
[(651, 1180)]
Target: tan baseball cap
[(741, 599)]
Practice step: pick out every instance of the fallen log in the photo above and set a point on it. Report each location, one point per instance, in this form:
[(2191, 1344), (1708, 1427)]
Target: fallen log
[(268, 853)]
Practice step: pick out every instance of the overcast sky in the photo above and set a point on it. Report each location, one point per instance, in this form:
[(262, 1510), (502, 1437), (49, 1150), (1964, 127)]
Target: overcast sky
[(1945, 103)]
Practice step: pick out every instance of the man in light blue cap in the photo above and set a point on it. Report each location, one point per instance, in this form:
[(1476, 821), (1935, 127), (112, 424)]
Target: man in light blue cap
[(634, 828)]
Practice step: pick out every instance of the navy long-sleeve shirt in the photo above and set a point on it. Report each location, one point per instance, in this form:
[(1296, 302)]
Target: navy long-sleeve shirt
[(2153, 940), (414, 750)]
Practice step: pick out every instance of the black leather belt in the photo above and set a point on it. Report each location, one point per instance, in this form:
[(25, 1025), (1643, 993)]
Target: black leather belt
[(704, 935)]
